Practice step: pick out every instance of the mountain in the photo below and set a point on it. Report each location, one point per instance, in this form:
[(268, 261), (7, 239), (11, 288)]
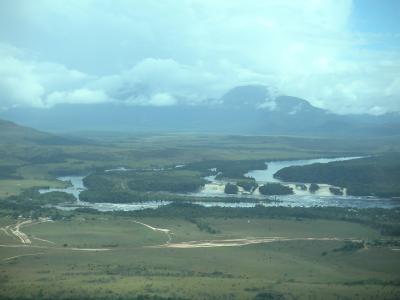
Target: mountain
[(249, 109), (248, 95), (11, 133)]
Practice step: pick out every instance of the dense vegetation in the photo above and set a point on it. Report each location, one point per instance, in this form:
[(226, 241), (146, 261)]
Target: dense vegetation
[(379, 175), (9, 172), (231, 188), (248, 185), (336, 191), (145, 181), (170, 181), (134, 186), (34, 198), (109, 296), (275, 189), (31, 203), (313, 187), (227, 168)]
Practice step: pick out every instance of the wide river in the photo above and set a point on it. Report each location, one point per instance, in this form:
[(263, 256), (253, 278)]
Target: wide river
[(322, 198)]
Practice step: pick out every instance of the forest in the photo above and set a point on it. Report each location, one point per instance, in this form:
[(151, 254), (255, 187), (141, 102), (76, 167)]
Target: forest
[(377, 175)]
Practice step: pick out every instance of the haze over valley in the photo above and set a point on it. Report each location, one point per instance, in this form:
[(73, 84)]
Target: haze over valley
[(242, 110)]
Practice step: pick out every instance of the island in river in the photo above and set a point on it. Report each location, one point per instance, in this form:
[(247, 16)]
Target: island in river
[(368, 176)]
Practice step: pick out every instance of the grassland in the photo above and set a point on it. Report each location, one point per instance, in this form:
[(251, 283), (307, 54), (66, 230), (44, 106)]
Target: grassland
[(10, 187), (293, 269)]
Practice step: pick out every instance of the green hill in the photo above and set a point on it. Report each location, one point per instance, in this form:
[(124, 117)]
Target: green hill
[(11, 133)]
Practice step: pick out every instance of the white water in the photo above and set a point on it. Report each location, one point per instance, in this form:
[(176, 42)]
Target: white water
[(215, 187)]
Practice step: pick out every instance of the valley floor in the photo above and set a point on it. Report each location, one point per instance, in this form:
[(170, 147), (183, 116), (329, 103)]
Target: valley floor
[(112, 256)]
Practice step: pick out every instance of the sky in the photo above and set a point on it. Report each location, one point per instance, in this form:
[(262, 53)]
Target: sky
[(340, 55)]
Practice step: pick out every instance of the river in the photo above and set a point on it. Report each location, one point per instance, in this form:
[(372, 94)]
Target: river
[(262, 176), (215, 188)]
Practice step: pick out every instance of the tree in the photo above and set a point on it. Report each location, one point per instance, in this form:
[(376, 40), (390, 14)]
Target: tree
[(231, 188), (275, 189), (313, 187)]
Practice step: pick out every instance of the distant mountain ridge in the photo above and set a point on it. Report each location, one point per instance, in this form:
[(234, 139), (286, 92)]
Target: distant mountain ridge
[(247, 95), (249, 109)]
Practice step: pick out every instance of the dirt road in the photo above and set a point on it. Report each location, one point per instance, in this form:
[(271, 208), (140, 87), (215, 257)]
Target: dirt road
[(55, 248), (23, 255), (243, 242), (15, 230), (166, 231)]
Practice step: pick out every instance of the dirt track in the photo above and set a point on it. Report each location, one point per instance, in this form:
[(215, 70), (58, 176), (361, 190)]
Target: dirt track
[(242, 242), (167, 232), (230, 242), (49, 248), (43, 240), (23, 255), (15, 230), (55, 248), (19, 234)]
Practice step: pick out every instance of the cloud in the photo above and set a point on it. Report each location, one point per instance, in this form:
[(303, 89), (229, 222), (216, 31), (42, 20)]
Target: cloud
[(187, 52), (18, 85), (160, 82), (158, 99), (25, 82), (79, 96)]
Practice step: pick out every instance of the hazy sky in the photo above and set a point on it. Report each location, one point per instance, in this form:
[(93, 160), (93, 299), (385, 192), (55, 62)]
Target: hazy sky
[(339, 55)]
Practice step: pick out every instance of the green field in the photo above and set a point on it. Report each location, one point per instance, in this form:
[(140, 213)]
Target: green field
[(294, 269)]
